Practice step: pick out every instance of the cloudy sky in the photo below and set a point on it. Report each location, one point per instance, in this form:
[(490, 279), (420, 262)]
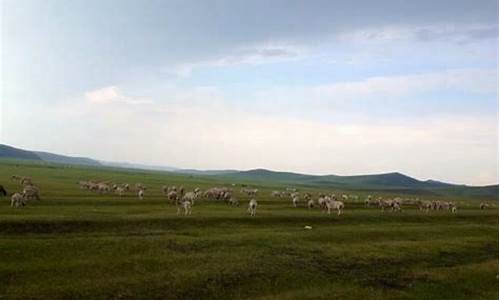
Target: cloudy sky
[(321, 87)]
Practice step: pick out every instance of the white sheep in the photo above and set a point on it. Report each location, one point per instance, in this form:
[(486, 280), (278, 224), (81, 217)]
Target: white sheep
[(310, 204), (31, 192), (140, 194), (252, 207), (189, 196), (335, 205), (295, 201), (186, 206), (17, 200)]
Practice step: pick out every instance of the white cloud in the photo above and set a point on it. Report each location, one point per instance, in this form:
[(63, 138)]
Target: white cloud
[(112, 94), (248, 55), (470, 80), (463, 33)]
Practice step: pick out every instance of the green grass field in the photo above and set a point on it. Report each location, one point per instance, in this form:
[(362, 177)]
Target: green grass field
[(77, 244)]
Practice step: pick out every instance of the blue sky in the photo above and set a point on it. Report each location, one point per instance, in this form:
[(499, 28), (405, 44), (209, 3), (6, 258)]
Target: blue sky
[(342, 87)]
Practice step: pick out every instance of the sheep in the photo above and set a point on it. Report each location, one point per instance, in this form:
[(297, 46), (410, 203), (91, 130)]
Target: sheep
[(252, 207), (295, 201), (424, 205), (234, 202), (189, 196), (103, 188), (17, 200), (120, 190), (276, 194), (334, 204), (345, 197), (26, 181), (3, 192), (140, 194), (388, 204), (16, 177), (322, 202), (289, 189), (217, 193), (310, 204), (164, 189), (139, 187), (226, 196), (186, 206), (483, 205), (250, 192), (307, 196), (354, 197), (369, 203), (31, 192), (173, 197), (126, 187)]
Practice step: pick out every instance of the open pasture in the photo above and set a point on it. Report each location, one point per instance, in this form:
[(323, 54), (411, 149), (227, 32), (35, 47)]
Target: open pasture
[(78, 244)]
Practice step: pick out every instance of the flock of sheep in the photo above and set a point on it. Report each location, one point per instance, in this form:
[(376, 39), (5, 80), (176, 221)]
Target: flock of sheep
[(184, 200), (29, 192)]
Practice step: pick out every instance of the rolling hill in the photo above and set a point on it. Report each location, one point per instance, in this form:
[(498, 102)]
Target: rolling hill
[(16, 153), (390, 182)]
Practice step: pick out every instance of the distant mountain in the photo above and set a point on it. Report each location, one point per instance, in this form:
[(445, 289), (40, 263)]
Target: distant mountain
[(127, 165), (69, 160), (206, 172), (377, 182), (12, 152), (383, 182)]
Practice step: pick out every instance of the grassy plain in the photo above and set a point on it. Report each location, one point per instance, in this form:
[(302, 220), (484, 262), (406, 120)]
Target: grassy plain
[(77, 244)]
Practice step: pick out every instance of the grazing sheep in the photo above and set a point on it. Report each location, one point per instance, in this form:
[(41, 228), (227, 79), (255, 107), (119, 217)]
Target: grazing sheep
[(276, 194), (234, 202), (307, 196), (310, 204), (189, 196), (120, 190), (322, 202), (252, 207), (3, 192), (389, 204), (17, 200), (295, 201), (26, 181), (103, 188), (30, 192), (139, 187), (140, 194), (424, 205), (186, 206), (369, 203), (164, 189), (345, 197), (172, 196), (334, 204), (483, 205), (250, 192)]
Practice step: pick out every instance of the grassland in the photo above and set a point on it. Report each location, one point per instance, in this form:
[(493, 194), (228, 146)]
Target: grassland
[(76, 244)]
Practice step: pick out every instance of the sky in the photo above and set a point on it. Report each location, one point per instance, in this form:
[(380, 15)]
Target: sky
[(317, 87)]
